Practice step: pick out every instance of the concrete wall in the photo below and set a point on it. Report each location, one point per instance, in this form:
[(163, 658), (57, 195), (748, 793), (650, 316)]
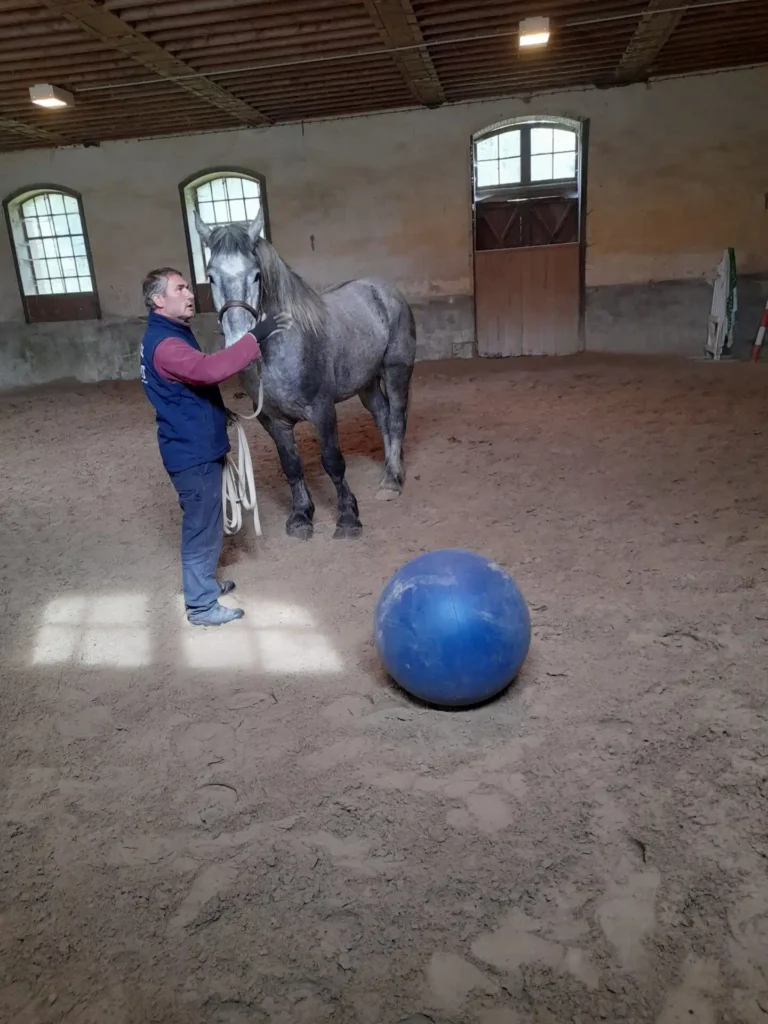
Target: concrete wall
[(677, 172)]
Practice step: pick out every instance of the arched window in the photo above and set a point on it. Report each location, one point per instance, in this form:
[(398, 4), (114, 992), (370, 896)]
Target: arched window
[(221, 196), (523, 155), (53, 259)]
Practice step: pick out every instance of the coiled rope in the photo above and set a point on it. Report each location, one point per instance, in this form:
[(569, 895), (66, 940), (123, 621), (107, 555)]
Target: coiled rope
[(238, 487)]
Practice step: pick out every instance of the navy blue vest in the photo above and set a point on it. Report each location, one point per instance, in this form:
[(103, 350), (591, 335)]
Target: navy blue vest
[(191, 421)]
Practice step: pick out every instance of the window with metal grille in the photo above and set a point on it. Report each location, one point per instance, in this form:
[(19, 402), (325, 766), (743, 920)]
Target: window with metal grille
[(56, 243), (230, 200), (530, 154), (220, 196), (52, 255)]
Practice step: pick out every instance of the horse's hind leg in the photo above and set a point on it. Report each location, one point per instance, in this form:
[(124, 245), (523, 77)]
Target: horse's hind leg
[(348, 524), (299, 523), (397, 380)]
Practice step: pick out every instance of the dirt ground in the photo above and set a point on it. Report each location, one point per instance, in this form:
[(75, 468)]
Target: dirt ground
[(253, 826)]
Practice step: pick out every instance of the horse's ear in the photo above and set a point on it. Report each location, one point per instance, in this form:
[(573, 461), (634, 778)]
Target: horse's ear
[(255, 228), (203, 229)]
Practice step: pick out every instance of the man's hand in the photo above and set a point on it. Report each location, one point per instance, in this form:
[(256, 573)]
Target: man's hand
[(269, 325), (284, 322)]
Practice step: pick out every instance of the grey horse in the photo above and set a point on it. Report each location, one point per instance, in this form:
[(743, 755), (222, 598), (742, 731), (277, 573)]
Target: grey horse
[(356, 339)]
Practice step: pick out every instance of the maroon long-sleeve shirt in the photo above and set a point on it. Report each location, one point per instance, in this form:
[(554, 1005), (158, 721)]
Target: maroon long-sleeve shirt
[(176, 360)]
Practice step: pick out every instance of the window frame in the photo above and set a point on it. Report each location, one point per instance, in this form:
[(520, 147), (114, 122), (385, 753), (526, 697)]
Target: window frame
[(187, 196), (65, 306), (560, 186)]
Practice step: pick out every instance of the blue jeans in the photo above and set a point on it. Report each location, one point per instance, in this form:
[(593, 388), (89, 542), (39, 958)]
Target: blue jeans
[(202, 533)]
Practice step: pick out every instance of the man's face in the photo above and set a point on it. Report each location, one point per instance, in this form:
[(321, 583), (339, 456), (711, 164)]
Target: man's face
[(178, 301)]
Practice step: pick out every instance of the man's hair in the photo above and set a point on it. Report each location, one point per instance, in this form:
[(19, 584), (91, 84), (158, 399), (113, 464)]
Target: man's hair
[(155, 283)]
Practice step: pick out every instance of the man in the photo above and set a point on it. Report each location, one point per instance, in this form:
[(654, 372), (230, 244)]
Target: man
[(182, 382)]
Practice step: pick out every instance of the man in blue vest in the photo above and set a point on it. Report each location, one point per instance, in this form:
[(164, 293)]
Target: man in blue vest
[(182, 383)]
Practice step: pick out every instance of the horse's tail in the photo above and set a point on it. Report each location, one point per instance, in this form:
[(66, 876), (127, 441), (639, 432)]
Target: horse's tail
[(402, 335)]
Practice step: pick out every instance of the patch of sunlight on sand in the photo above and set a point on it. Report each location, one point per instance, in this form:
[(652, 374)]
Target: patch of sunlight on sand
[(94, 630), (274, 637)]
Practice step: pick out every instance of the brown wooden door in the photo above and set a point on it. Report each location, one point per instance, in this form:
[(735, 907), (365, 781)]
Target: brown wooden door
[(528, 276)]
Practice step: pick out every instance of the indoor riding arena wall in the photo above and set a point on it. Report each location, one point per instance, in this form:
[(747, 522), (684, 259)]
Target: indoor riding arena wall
[(676, 172)]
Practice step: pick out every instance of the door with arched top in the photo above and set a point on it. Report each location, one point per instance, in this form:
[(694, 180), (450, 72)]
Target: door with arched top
[(528, 222)]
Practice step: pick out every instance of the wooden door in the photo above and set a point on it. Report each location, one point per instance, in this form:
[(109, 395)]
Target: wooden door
[(528, 276)]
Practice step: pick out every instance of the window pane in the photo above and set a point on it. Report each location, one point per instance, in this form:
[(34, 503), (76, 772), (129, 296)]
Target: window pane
[(85, 284), (204, 194), (70, 204), (564, 165), (488, 149), (237, 209), (81, 265), (217, 188), (57, 286), (565, 141), (57, 203), (41, 204), (234, 188), (43, 287), (541, 168), (251, 208), (33, 227), (65, 246), (68, 267), (541, 140), (75, 227), (206, 212), (50, 247), (36, 250), (221, 212), (509, 173), (72, 284), (78, 245), (509, 144), (250, 188), (487, 173), (46, 226)]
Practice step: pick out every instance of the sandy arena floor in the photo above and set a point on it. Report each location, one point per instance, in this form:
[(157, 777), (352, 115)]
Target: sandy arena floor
[(252, 826)]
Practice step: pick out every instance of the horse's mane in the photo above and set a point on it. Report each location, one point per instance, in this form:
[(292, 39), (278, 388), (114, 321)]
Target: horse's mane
[(282, 290)]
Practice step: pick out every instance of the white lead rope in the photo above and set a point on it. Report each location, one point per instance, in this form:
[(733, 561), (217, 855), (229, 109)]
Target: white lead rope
[(238, 487)]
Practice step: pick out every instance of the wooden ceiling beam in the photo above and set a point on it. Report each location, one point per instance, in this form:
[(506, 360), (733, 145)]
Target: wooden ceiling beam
[(653, 32), (100, 23), (31, 131), (397, 25)]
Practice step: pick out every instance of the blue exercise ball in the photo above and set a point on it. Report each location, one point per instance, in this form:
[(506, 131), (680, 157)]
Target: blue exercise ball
[(452, 628)]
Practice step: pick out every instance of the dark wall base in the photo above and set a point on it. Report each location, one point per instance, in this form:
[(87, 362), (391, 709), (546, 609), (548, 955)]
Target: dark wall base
[(94, 350), (668, 317)]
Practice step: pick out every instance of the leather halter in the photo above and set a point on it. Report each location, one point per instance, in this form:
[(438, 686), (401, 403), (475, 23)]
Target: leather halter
[(237, 304)]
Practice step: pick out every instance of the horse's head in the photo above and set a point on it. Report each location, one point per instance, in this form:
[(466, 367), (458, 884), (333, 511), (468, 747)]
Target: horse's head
[(234, 272)]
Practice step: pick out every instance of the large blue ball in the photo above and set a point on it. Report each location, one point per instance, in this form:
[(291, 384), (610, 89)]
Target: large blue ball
[(452, 628)]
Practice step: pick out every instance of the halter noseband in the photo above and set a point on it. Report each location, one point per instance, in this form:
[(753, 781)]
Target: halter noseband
[(237, 304)]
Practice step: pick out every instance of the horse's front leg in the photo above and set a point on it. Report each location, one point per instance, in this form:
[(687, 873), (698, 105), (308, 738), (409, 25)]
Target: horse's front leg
[(299, 523), (348, 524)]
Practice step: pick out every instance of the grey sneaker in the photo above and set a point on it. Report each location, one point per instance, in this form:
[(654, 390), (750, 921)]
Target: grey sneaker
[(216, 616)]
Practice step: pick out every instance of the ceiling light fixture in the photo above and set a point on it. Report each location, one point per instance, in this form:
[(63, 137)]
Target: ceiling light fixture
[(534, 32), (50, 96)]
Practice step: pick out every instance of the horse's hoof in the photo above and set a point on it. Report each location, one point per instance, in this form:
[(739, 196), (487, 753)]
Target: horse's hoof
[(300, 529), (348, 531), (387, 493)]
